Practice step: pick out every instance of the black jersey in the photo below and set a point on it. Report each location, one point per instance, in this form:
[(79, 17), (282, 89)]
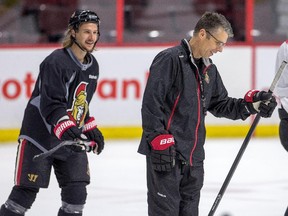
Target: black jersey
[(64, 87)]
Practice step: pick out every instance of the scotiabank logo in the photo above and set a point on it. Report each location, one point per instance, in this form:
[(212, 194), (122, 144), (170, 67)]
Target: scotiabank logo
[(13, 89)]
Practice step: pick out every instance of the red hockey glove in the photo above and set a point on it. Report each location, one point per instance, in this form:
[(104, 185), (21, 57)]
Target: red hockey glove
[(163, 152), (94, 134), (261, 102)]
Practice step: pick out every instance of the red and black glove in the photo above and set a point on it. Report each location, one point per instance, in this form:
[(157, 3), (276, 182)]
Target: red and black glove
[(67, 130), (261, 102), (94, 134), (163, 152)]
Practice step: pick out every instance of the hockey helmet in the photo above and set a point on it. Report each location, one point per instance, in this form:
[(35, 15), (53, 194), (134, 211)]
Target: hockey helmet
[(81, 16)]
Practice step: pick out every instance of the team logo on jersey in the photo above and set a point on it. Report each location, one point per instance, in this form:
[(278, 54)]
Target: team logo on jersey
[(79, 107), (206, 77)]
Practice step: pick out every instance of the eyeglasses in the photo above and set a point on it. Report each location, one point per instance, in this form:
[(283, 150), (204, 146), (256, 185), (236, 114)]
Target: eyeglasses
[(218, 42)]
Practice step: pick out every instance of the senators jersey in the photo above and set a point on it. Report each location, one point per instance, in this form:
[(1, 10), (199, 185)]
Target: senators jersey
[(64, 87)]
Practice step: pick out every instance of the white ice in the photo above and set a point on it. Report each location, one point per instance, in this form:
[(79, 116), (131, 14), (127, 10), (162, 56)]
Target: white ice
[(259, 186)]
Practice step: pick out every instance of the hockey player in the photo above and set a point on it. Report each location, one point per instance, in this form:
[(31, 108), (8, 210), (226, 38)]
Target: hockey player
[(182, 86), (281, 91), (58, 110)]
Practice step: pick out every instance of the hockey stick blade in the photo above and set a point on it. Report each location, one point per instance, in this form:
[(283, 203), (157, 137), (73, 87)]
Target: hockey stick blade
[(244, 144), (86, 146)]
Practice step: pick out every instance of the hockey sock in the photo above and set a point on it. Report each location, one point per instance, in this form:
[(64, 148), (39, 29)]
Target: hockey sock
[(70, 210), (11, 208)]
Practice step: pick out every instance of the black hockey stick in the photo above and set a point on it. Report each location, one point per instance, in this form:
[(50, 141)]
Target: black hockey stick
[(85, 145), (244, 145)]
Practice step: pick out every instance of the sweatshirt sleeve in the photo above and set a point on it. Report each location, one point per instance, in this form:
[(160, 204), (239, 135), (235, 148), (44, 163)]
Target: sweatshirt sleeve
[(224, 106), (160, 80), (54, 92), (281, 89)]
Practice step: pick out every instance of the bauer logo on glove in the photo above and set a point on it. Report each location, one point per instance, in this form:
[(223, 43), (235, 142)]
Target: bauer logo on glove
[(162, 142)]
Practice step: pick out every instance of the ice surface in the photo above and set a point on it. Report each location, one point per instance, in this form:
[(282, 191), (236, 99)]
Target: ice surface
[(259, 186)]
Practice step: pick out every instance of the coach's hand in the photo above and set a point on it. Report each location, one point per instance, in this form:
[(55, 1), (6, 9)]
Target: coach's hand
[(163, 152), (261, 102)]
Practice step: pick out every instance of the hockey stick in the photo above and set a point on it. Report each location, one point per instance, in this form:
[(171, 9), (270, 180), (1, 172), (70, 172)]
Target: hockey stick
[(85, 145), (244, 145)]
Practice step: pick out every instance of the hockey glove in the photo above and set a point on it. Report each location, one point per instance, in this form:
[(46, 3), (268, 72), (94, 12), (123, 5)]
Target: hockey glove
[(94, 134), (163, 153), (67, 130), (261, 102)]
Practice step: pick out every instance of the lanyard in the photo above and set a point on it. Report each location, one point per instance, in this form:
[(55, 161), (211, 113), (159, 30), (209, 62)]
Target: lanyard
[(200, 80)]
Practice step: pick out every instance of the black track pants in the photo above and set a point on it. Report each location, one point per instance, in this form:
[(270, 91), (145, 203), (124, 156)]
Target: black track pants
[(175, 193)]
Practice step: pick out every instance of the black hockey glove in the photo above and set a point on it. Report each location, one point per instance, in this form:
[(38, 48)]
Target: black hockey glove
[(163, 152), (94, 134), (261, 102), (67, 130)]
